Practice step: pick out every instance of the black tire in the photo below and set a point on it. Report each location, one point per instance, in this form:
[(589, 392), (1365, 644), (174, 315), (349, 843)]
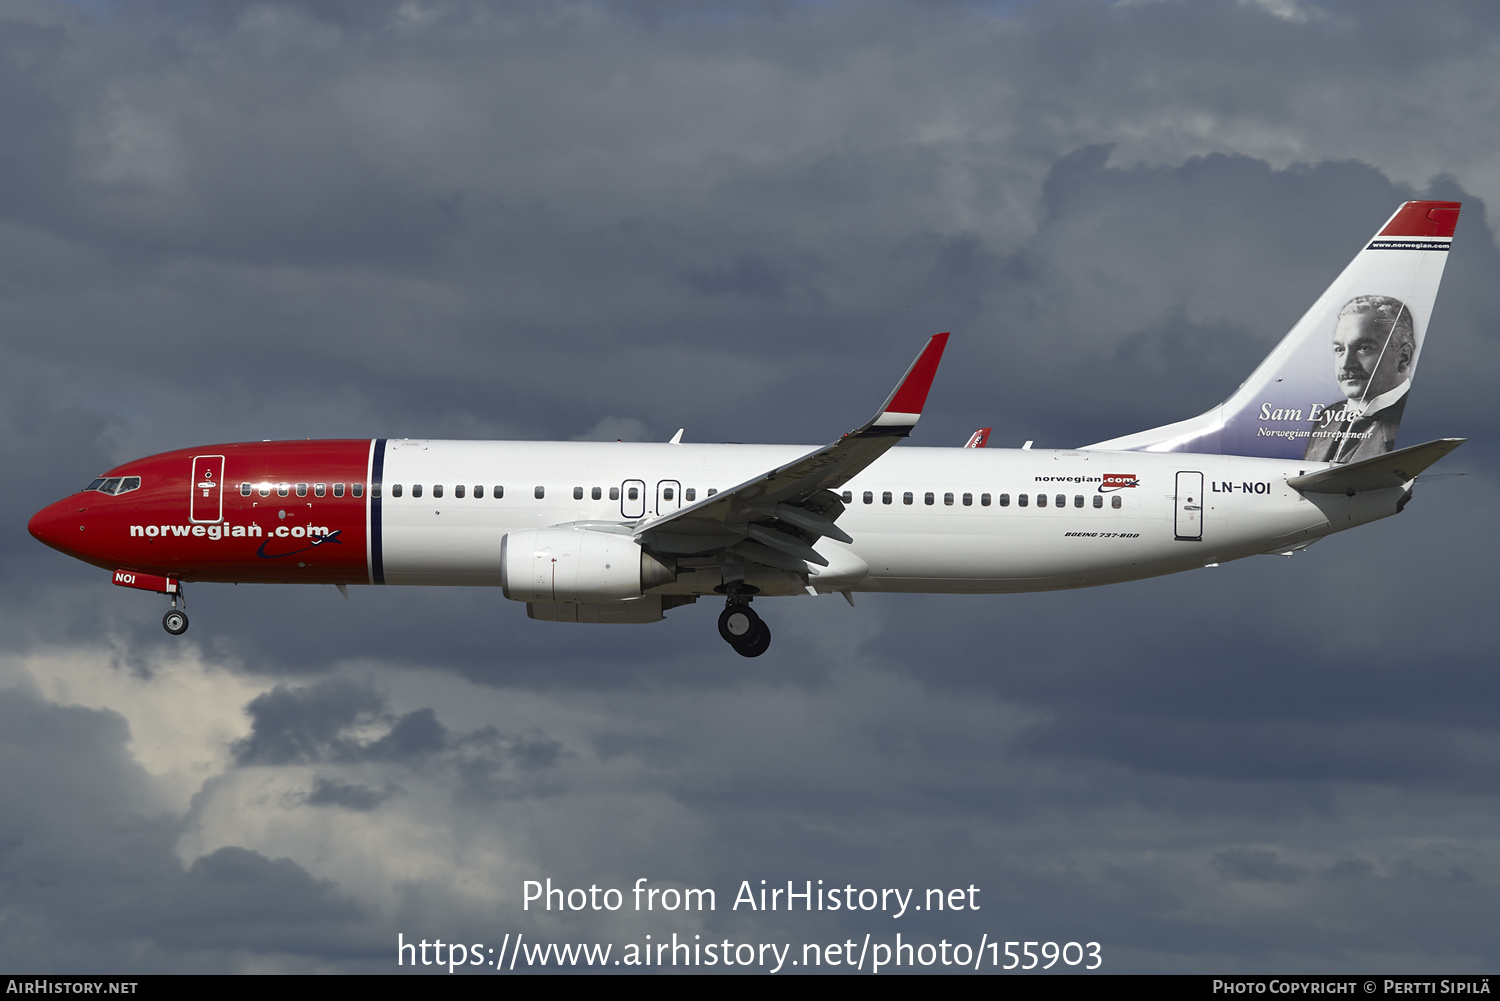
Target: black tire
[(737, 623), (757, 646), (175, 622)]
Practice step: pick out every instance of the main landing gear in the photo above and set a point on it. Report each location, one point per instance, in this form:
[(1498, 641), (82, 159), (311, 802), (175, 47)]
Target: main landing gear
[(742, 628)]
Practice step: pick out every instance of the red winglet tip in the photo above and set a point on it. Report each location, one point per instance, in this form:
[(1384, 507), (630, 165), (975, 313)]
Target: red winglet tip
[(1434, 219), (911, 396)]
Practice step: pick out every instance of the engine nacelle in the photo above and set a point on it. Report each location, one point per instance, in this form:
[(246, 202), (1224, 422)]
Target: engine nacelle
[(577, 564)]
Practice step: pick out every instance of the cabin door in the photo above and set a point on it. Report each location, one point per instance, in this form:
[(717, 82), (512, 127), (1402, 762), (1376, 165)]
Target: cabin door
[(1189, 518)]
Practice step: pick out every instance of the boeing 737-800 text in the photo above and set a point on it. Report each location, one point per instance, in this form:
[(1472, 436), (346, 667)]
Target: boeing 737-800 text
[(622, 532)]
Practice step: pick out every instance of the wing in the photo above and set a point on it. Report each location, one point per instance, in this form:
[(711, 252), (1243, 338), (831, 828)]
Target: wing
[(774, 518)]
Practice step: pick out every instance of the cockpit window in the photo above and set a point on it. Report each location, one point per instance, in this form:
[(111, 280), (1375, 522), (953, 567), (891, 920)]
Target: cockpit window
[(115, 485)]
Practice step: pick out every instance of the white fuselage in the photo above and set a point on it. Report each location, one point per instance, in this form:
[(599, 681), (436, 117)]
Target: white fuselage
[(1093, 527)]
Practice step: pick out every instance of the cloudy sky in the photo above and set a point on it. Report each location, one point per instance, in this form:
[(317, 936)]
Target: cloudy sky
[(562, 220)]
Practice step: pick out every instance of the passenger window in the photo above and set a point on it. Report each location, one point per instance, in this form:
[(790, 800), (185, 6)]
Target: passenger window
[(1098, 500), (984, 500), (847, 497), (596, 494), (338, 490), (395, 490), (578, 493), (282, 489), (539, 493), (1005, 500), (666, 493), (906, 497), (927, 498), (614, 493), (437, 490), (319, 489), (885, 498), (302, 490), (633, 493), (498, 493), (459, 491), (479, 491), (1022, 500), (968, 500), (358, 490), (244, 490), (265, 490), (1062, 500), (712, 491), (416, 489), (1114, 501), (869, 497), (948, 499), (690, 494), (1078, 500)]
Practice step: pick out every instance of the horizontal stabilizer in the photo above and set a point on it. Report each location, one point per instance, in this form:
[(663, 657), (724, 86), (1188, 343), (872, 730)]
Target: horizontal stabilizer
[(1394, 469)]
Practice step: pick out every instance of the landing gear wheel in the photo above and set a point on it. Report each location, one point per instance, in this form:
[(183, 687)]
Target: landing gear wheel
[(759, 644), (175, 622), (744, 630), (737, 624)]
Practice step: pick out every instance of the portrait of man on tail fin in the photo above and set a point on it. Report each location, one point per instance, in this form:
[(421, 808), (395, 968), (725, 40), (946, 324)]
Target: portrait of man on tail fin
[(1374, 345)]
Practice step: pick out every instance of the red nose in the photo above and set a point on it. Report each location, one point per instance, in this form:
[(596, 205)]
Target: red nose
[(56, 525)]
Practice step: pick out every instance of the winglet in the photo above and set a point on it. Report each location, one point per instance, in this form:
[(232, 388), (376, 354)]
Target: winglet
[(899, 414), (979, 438)]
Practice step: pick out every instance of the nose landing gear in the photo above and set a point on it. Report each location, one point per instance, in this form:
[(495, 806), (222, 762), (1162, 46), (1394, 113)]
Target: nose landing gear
[(742, 629), (176, 620)]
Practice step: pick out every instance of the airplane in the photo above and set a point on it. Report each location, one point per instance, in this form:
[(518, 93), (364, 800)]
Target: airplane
[(622, 532)]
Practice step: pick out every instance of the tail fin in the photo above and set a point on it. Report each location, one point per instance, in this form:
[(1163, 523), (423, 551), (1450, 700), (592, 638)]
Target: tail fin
[(1335, 387)]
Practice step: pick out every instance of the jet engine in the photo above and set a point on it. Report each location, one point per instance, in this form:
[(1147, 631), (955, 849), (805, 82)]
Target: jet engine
[(577, 564)]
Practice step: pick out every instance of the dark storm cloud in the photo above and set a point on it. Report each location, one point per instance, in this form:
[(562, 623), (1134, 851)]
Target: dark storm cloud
[(90, 878), (351, 796), (429, 232), (331, 721), (241, 897), (295, 725)]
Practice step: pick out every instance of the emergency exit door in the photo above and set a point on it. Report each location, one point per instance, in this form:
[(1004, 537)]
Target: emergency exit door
[(633, 499)]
